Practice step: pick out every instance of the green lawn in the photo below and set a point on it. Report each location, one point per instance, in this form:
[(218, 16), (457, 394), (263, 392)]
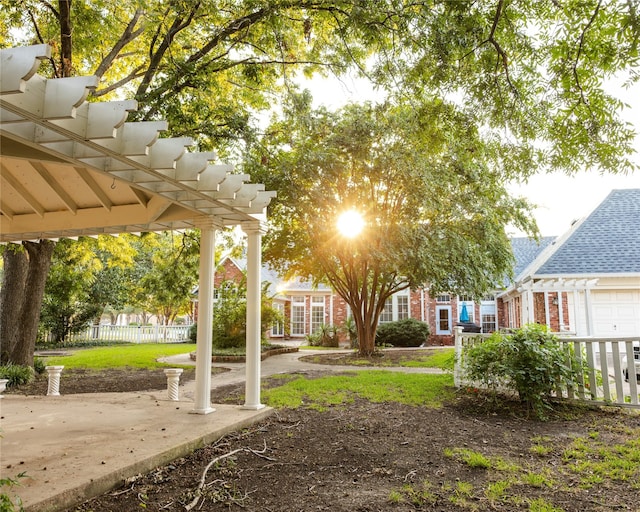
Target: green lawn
[(136, 356), (373, 385)]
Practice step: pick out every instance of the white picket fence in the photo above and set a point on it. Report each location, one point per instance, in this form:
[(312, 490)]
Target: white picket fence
[(133, 333), (604, 380)]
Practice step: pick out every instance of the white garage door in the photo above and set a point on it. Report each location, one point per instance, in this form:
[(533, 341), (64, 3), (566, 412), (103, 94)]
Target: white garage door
[(616, 313)]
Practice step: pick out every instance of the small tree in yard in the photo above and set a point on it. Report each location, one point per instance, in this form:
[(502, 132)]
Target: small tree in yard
[(230, 314), (530, 361)]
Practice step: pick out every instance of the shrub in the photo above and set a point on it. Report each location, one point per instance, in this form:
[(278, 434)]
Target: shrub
[(403, 333), (39, 365), (16, 374), (193, 332), (529, 361), (324, 336), (349, 328)]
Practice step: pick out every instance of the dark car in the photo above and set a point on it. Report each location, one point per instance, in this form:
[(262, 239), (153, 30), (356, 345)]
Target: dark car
[(469, 327)]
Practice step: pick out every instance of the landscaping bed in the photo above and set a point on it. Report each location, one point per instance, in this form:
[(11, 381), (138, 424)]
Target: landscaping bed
[(364, 456)]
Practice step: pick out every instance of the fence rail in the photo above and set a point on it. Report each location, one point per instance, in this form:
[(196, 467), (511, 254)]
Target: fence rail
[(133, 333), (611, 366)]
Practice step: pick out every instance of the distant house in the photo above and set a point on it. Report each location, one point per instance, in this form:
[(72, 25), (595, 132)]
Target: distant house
[(306, 307), (585, 282)]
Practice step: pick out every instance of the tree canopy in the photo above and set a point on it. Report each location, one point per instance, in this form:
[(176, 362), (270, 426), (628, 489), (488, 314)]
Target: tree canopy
[(533, 72), (430, 189), (523, 79)]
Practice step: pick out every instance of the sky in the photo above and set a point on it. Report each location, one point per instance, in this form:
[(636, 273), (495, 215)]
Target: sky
[(560, 200)]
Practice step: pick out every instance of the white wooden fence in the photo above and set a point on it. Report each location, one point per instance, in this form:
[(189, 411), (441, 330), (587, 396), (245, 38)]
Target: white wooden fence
[(133, 333), (604, 380)]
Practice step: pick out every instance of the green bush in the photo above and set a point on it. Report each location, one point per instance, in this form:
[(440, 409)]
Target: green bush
[(39, 365), (402, 333), (529, 361), (324, 336), (193, 332), (16, 374)]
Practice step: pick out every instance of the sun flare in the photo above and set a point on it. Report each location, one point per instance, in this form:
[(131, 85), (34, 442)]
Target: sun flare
[(350, 223)]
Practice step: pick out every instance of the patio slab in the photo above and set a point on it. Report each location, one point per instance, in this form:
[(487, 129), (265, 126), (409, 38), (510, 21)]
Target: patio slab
[(74, 447)]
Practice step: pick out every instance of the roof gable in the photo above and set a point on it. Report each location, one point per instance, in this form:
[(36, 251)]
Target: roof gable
[(606, 242)]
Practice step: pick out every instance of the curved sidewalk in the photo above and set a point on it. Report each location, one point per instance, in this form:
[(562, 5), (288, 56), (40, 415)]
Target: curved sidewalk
[(74, 447)]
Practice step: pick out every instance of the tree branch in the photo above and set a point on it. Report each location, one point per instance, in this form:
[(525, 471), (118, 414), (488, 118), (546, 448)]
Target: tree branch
[(156, 57), (136, 73), (579, 52), (129, 34)]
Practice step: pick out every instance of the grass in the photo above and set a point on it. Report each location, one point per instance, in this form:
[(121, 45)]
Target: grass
[(601, 457), (373, 385), (120, 356), (441, 358)]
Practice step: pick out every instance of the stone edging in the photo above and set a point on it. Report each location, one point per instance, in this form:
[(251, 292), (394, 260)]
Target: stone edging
[(242, 359)]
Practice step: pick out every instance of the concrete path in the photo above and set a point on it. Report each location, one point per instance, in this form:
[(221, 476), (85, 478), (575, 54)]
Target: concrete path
[(73, 447)]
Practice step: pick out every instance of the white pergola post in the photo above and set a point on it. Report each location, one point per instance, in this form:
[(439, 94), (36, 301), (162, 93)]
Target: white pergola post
[(254, 233), (202, 403)]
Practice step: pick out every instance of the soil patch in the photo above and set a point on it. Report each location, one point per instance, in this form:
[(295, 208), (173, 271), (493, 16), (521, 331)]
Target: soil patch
[(382, 358), (81, 380), (370, 457)]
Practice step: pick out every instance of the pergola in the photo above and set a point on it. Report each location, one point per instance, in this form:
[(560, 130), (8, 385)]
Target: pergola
[(73, 168)]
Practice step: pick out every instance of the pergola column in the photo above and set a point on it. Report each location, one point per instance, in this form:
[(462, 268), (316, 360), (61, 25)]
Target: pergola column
[(254, 231), (202, 403)]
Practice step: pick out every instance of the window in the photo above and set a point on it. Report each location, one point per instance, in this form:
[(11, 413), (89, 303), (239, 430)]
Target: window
[(278, 326), (297, 316), (403, 306), (443, 298), (317, 313), (488, 322), (466, 309), (387, 312), (488, 314), (443, 319)]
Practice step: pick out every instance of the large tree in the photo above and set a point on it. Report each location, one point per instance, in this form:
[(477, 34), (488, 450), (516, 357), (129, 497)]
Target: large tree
[(430, 190), (528, 71)]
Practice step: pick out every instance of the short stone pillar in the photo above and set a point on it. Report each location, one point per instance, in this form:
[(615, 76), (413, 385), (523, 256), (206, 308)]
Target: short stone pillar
[(3, 386), (173, 381), (54, 380)]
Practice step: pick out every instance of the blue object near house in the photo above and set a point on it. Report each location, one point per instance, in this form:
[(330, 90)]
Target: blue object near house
[(464, 314)]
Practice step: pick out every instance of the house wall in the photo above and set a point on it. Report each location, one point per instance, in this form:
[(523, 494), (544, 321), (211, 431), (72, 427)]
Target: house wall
[(422, 307)]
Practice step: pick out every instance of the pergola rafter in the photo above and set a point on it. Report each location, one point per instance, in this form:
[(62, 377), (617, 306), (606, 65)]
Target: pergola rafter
[(71, 168)]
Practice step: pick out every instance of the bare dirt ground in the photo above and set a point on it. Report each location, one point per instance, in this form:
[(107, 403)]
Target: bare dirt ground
[(370, 457)]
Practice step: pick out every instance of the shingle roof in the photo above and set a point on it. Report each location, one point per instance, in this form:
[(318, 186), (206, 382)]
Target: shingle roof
[(526, 249), (606, 242)]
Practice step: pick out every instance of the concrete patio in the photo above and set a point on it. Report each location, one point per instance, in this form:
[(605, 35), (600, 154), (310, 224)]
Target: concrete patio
[(74, 447)]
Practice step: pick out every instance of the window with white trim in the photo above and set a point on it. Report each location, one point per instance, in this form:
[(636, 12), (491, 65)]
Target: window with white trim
[(278, 327), (445, 297), (317, 312), (489, 314), (387, 312), (466, 302), (402, 306), (297, 316)]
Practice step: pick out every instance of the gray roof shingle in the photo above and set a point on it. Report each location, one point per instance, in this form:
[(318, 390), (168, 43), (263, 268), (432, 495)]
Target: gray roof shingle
[(526, 249), (606, 242)]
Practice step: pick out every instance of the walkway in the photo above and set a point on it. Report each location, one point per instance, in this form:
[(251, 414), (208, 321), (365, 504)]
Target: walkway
[(73, 447)]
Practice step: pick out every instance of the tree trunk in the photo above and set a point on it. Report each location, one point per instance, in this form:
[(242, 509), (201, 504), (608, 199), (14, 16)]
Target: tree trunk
[(25, 275), (66, 64), (16, 266)]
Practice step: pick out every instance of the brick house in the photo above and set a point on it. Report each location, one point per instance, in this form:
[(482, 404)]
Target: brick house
[(585, 282), (305, 307)]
